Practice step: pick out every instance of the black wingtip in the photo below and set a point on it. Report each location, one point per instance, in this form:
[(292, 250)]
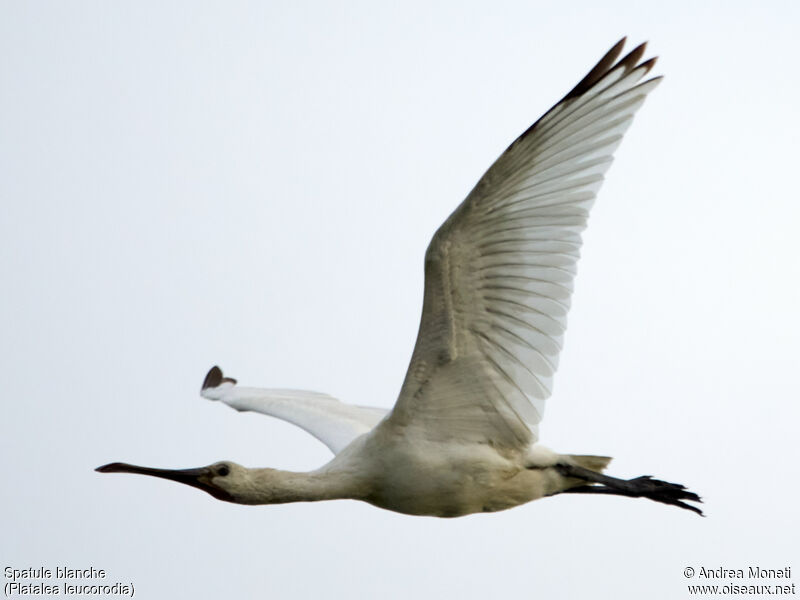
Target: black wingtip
[(648, 64), (633, 57), (606, 65), (598, 71), (215, 378)]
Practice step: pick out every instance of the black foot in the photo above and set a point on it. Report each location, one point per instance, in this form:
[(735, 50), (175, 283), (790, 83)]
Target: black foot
[(639, 487), (666, 492)]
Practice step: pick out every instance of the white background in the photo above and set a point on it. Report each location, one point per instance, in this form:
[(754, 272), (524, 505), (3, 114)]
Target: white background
[(254, 185)]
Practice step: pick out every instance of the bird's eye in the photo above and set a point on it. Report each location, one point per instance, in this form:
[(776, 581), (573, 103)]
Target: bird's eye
[(223, 470)]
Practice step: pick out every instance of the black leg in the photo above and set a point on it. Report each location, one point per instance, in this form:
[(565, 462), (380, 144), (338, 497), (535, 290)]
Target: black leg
[(640, 487)]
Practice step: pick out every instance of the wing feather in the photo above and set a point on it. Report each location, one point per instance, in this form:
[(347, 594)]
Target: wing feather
[(499, 272), (332, 422)]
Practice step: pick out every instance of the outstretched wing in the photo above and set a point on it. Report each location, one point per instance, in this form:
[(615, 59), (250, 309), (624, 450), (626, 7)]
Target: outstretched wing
[(332, 422), (499, 271)]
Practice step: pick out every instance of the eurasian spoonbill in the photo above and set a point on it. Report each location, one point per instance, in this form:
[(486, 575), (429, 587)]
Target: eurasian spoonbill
[(463, 436)]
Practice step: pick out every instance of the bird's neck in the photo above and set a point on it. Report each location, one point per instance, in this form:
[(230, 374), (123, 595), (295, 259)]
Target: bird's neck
[(273, 486)]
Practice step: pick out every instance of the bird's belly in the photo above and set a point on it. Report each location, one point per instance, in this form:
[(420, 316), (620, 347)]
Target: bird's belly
[(447, 484)]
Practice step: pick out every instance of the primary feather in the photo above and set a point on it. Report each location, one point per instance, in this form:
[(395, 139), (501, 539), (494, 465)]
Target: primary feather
[(462, 437), (332, 422), (499, 271)]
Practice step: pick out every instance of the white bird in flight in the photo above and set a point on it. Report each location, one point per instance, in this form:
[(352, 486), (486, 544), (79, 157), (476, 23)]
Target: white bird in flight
[(463, 437)]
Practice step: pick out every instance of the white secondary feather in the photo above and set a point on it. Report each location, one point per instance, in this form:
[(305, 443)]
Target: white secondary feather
[(462, 436), (499, 271), (498, 284), (334, 423)]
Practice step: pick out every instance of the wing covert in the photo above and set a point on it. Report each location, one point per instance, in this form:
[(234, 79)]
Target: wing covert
[(499, 271)]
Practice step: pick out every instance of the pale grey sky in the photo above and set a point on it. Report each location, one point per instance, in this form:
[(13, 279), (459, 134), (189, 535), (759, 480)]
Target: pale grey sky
[(254, 184)]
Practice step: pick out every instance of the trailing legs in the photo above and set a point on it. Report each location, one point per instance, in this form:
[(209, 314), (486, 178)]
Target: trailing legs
[(639, 487)]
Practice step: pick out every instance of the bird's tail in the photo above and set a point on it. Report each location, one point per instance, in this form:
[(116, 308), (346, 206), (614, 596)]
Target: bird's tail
[(588, 461)]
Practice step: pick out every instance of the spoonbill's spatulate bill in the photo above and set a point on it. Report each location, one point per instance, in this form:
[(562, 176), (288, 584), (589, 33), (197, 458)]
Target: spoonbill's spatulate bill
[(463, 435)]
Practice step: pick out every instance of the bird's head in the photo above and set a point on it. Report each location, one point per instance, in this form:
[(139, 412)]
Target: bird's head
[(224, 480)]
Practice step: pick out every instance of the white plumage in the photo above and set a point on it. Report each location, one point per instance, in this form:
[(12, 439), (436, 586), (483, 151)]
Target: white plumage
[(463, 434), (332, 422)]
